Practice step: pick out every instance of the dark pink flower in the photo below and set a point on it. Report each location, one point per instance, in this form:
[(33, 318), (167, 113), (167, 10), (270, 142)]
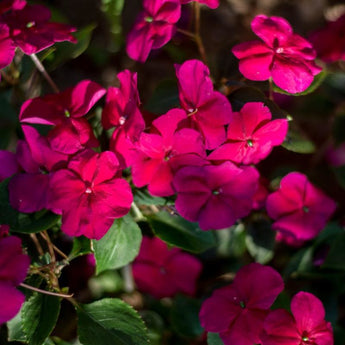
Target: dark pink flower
[(4, 230), (335, 155), (329, 42), (7, 47), (8, 164), (299, 208), (89, 194), (160, 153), (215, 196), (210, 3), (7, 5), (13, 269), (306, 325), (208, 110), (237, 311), (285, 57), (65, 110), (154, 27), (32, 31), (164, 272), (251, 135)]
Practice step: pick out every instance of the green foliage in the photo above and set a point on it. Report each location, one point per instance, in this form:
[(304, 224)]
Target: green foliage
[(110, 321), (81, 246), (214, 339), (39, 315), (119, 246), (179, 232), (297, 141)]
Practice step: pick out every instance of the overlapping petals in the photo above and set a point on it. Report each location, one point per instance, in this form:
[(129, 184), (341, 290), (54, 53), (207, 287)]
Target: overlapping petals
[(251, 135), (299, 208), (154, 27), (284, 56), (164, 272), (89, 194), (215, 196), (237, 312)]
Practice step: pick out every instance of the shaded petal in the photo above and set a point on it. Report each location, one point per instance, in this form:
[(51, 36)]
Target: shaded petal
[(256, 67), (10, 302)]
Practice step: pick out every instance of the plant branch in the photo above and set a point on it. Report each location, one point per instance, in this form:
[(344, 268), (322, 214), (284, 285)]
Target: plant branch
[(57, 294)]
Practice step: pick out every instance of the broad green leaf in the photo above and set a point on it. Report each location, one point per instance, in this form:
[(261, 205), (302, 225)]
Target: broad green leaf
[(318, 79), (155, 326), (20, 222), (164, 98), (15, 329), (105, 283), (143, 197), (232, 241), (119, 246), (81, 246), (296, 141), (39, 315), (179, 232), (110, 321), (184, 316), (214, 339), (260, 241)]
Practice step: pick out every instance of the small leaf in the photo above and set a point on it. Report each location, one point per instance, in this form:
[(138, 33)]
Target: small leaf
[(318, 79), (15, 329), (179, 232), (296, 141), (39, 315), (260, 241), (119, 246), (110, 321), (143, 197), (232, 241), (214, 339), (184, 316), (81, 246)]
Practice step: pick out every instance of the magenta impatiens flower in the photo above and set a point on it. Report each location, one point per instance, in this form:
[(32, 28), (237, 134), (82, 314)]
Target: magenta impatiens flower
[(299, 208), (215, 196), (89, 194), (160, 153), (306, 325), (8, 164), (7, 47), (210, 3), (32, 31), (65, 110), (285, 57), (237, 311), (251, 135), (154, 27), (164, 272), (14, 266), (208, 110)]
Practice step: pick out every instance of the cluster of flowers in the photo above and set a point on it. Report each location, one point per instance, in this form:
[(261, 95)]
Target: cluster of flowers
[(28, 27), (241, 313)]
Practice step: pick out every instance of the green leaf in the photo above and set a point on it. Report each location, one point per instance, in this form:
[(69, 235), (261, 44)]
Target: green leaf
[(164, 98), (39, 315), (232, 241), (340, 175), (155, 325), (179, 232), (318, 79), (296, 141), (143, 197), (110, 321), (66, 50), (184, 316), (214, 339), (20, 222), (81, 246), (15, 329), (260, 241), (119, 246)]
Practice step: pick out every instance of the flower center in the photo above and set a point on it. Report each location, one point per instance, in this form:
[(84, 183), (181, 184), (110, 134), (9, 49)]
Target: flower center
[(122, 120), (67, 113), (148, 19), (280, 50), (242, 304), (250, 143), (88, 190), (305, 209), (217, 191), (192, 111), (30, 24)]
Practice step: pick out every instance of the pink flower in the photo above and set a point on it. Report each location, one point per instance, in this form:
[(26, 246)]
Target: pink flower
[(7, 47), (89, 194), (13, 269), (237, 311), (299, 209), (305, 326), (8, 164), (215, 196), (208, 110), (7, 5), (31, 30), (160, 153), (251, 135), (71, 133), (154, 27), (285, 57), (329, 42), (164, 272), (210, 3)]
